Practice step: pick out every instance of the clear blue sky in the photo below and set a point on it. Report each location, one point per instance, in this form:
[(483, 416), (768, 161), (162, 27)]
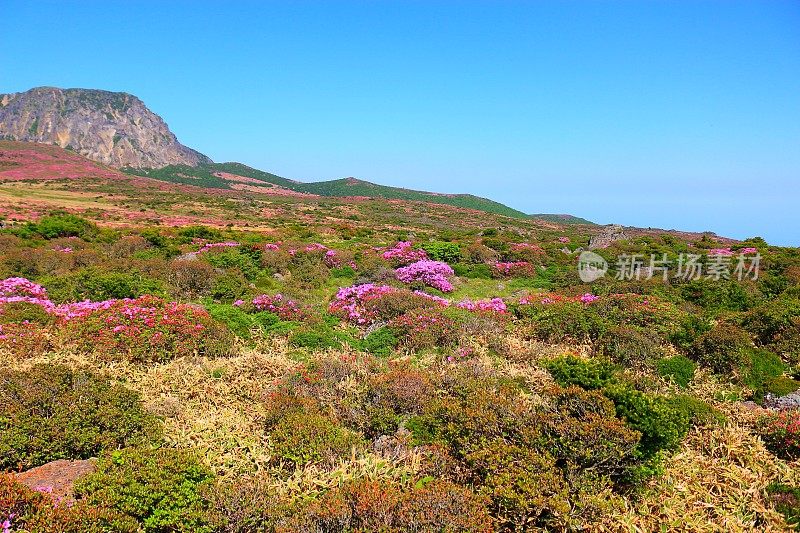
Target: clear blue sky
[(673, 114)]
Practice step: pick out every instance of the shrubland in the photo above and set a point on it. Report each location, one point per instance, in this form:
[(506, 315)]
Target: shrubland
[(358, 377)]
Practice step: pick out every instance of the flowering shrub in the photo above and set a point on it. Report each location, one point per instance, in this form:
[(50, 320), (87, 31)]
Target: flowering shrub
[(147, 329), (513, 269), (444, 302), (425, 328), (216, 245), (781, 433), (432, 273), (402, 253), (496, 305), (285, 308), (351, 302), (720, 251)]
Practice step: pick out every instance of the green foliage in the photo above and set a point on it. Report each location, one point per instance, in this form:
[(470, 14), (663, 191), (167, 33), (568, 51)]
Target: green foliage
[(234, 258), (449, 252), (662, 424), (229, 286), (53, 412), (589, 374), (716, 296), (94, 284), (678, 368), (380, 342), (787, 501), (761, 372), (24, 312), (722, 348), (630, 346), (63, 225), (473, 271), (159, 488)]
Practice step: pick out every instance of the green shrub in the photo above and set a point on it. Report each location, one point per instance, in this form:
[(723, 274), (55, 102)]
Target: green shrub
[(661, 424), (53, 412), (449, 252), (587, 373), (238, 321), (786, 500), (561, 321), (722, 348), (380, 342), (320, 338), (64, 225), (189, 233), (159, 488), (473, 271), (96, 285), (303, 437), (678, 368), (234, 259), (229, 286), (630, 346), (17, 312)]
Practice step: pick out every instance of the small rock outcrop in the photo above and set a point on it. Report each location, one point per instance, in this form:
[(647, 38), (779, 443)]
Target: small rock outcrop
[(57, 478), (115, 129), (609, 234)]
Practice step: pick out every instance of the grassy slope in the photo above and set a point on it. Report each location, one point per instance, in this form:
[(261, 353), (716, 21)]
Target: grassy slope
[(203, 176)]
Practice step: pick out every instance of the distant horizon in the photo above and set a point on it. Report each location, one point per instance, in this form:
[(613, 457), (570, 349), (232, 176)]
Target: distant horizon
[(674, 115)]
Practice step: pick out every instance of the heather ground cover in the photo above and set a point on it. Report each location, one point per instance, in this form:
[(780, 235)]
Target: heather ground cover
[(390, 375)]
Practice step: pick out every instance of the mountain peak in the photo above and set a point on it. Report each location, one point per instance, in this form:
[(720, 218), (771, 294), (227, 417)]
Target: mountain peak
[(113, 128)]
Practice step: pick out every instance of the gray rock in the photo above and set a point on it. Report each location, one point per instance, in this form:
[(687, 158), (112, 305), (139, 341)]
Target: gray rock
[(782, 403), (115, 129), (609, 234)]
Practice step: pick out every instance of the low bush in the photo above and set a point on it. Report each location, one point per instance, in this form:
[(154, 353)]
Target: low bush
[(630, 346), (425, 329), (159, 488), (662, 424), (587, 373), (722, 348), (148, 329), (678, 368), (53, 412), (307, 436), (760, 370), (365, 505), (93, 284), (23, 509), (380, 342), (786, 500), (448, 252), (64, 225), (781, 433)]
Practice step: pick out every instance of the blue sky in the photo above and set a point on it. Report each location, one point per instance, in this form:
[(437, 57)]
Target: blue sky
[(664, 114)]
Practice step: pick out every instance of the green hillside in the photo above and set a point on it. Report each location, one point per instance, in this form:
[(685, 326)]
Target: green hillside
[(203, 176), (561, 219)]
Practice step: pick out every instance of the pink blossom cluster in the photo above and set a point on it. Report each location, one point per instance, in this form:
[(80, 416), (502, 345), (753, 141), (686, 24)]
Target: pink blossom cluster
[(285, 308), (464, 351), (63, 250), (402, 253), (213, 245), (589, 298), (350, 301), (720, 251), (524, 246), (496, 305), (6, 524), (272, 246), (749, 250), (21, 287), (330, 259), (444, 302), (512, 268), (563, 239), (432, 273)]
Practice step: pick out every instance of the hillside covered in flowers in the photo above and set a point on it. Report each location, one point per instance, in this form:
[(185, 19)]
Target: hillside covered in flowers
[(298, 376)]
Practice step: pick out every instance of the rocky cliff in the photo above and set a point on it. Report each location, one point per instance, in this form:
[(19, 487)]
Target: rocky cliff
[(116, 129)]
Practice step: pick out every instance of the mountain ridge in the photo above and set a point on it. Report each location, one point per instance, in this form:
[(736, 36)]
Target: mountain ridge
[(113, 128)]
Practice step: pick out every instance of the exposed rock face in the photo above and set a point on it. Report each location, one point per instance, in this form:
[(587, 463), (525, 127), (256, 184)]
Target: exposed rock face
[(609, 234), (115, 129)]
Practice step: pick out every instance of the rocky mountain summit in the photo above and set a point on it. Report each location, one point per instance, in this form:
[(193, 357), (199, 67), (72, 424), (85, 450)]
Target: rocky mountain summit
[(113, 128)]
